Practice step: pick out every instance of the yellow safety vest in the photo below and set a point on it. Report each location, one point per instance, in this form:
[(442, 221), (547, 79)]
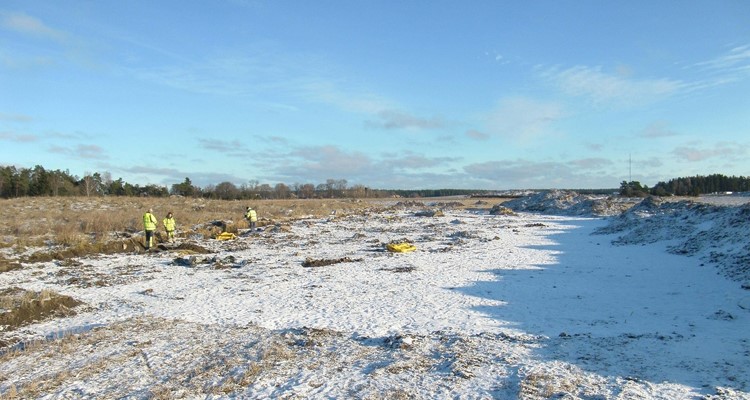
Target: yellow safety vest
[(149, 222), (251, 216), (169, 224)]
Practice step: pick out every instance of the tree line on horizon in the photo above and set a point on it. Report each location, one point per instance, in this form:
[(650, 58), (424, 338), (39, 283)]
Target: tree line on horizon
[(689, 186), (38, 181)]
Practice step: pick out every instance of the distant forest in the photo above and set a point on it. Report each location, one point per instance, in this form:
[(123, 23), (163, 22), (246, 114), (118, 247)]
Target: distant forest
[(697, 185), (690, 186), (38, 181)]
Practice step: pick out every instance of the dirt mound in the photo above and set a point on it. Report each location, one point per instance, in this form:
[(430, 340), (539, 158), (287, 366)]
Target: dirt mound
[(566, 202), (22, 307), (310, 263), (501, 210), (409, 204), (715, 233), (192, 247)]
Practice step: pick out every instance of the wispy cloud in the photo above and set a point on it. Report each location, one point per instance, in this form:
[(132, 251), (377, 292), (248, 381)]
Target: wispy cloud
[(86, 152), (592, 163), (231, 148), (257, 69), (262, 71), (523, 120), (526, 174), (319, 161), (656, 130), (267, 76), (728, 68), (15, 117), (517, 171), (90, 152), (736, 57), (50, 137), (394, 119), (696, 153), (360, 101), (41, 45), (27, 25), (413, 162), (189, 80), (170, 176), (315, 164), (594, 146), (18, 138), (610, 89), (476, 135)]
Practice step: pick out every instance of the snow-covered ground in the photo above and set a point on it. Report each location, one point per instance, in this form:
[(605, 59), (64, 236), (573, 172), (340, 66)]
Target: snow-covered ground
[(488, 306)]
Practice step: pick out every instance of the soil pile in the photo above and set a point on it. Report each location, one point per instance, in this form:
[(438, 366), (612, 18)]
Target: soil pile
[(570, 203), (715, 233)]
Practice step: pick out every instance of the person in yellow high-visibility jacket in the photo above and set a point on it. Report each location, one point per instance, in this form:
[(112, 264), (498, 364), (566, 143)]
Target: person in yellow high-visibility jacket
[(252, 217), (149, 225), (169, 226)]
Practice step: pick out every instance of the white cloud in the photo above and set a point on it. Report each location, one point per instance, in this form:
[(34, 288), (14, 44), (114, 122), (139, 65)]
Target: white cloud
[(81, 151), (325, 91), (523, 119), (723, 150), (527, 174), (603, 88), (657, 130), (233, 148), (728, 68), (15, 117), (476, 135), (411, 162), (323, 162), (736, 57), (394, 119), (591, 163), (24, 24), (18, 137)]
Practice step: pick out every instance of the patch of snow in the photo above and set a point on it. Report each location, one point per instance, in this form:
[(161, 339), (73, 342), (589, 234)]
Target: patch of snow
[(715, 234)]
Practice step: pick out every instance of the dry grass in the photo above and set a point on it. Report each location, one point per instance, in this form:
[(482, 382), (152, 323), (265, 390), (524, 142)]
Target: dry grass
[(82, 225), (22, 307), (6, 265), (546, 385), (75, 226)]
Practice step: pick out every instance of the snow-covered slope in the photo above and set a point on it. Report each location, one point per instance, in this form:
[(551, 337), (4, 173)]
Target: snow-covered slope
[(718, 235)]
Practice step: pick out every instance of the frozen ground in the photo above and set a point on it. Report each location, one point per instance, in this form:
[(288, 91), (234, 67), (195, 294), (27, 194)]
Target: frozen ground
[(652, 304)]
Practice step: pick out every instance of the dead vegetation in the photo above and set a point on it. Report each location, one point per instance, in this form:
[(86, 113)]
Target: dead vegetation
[(58, 228), (6, 265), (21, 307), (309, 262), (237, 362)]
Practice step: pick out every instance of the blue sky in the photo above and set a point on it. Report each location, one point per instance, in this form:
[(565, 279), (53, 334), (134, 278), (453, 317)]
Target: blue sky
[(385, 94)]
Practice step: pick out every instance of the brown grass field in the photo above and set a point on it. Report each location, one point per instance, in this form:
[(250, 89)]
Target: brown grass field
[(92, 222)]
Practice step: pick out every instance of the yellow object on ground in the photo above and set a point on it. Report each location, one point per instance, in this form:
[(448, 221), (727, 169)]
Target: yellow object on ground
[(400, 247), (226, 236)]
